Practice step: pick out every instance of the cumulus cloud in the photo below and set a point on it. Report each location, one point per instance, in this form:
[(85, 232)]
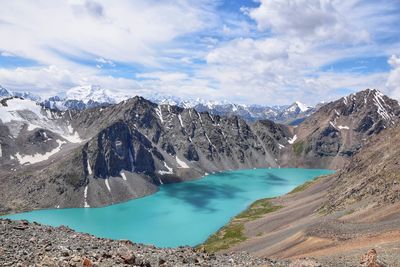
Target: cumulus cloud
[(48, 81), (274, 53), (304, 36), (126, 31), (278, 71), (314, 19), (393, 81)]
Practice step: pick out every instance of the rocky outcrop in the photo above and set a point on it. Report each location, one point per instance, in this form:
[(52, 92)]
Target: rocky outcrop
[(370, 259), (371, 177), (131, 148), (331, 136)]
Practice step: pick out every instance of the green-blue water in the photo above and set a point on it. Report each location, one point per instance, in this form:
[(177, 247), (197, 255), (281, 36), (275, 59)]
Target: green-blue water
[(178, 214)]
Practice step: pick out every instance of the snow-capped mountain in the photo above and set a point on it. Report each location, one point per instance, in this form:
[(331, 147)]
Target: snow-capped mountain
[(83, 97), (87, 93), (92, 96), (26, 95), (292, 114), (4, 92)]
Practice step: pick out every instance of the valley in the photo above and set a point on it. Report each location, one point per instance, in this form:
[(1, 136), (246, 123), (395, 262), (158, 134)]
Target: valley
[(96, 157)]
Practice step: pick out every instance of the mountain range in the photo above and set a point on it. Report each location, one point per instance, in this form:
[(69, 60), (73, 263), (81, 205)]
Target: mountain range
[(102, 155), (92, 96)]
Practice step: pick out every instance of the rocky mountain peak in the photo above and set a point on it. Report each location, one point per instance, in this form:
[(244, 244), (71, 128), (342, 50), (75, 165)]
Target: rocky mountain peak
[(338, 130), (88, 93), (4, 92), (298, 107)]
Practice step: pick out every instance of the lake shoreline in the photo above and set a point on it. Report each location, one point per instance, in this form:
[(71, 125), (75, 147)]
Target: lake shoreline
[(177, 209)]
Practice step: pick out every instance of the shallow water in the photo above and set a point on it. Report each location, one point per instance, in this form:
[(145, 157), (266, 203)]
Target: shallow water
[(178, 214)]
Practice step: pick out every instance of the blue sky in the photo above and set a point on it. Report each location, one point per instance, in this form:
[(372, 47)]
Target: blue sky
[(252, 52)]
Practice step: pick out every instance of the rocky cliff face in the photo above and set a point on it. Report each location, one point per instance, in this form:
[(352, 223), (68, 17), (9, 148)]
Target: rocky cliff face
[(337, 131), (372, 178), (128, 149)]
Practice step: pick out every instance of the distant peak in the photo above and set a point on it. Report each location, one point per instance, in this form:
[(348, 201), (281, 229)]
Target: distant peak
[(4, 92), (92, 92), (302, 107)]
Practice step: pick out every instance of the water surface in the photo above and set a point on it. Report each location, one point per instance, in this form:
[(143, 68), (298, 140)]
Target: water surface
[(181, 213)]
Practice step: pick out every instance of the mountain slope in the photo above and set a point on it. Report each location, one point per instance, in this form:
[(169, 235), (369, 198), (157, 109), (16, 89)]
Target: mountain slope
[(132, 147), (30, 133), (336, 218), (332, 135), (372, 177)]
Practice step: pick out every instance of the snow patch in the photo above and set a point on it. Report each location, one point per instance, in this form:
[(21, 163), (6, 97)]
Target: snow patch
[(86, 205), (180, 120), (209, 141), (302, 106), (70, 129), (292, 140), (333, 125), (380, 104), (181, 163), (73, 136), (159, 113), (32, 159), (123, 175), (198, 114), (170, 170), (107, 185), (89, 169)]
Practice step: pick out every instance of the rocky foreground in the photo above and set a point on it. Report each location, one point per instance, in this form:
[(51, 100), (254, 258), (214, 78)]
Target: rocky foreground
[(32, 244)]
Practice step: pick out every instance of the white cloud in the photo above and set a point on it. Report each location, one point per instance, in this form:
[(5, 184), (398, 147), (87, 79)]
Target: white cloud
[(48, 81), (181, 47), (393, 81), (121, 31), (6, 54), (164, 76), (309, 19), (304, 36)]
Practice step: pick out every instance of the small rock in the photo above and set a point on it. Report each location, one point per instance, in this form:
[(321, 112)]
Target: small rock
[(161, 261), (128, 258), (370, 259), (87, 263)]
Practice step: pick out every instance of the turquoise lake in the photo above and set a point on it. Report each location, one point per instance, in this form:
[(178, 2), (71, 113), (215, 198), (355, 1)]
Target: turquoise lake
[(178, 214)]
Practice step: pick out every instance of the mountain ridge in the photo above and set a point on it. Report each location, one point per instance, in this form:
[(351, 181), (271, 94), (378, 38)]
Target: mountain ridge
[(127, 149), (92, 96)]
